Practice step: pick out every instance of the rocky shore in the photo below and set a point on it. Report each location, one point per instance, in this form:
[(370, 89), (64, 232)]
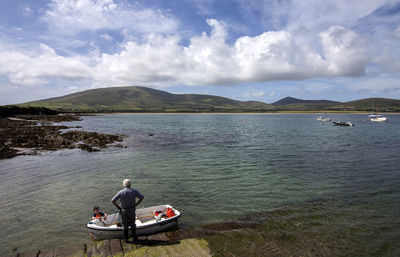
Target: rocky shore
[(27, 134)]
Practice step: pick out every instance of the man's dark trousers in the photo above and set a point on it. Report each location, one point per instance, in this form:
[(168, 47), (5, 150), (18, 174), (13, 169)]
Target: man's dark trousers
[(128, 219)]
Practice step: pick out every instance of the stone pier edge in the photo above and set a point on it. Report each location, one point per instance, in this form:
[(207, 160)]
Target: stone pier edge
[(153, 245)]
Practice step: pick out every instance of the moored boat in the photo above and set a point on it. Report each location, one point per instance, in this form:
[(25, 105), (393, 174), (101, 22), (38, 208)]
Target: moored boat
[(323, 119), (147, 223), (376, 117), (379, 118), (343, 123)]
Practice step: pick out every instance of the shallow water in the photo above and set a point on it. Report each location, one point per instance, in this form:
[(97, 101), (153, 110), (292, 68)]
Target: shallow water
[(214, 167)]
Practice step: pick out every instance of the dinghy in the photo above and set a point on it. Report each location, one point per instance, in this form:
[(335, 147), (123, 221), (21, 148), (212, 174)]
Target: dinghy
[(147, 222), (343, 123)]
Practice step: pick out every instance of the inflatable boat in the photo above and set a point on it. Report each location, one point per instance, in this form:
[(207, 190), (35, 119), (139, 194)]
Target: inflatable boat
[(150, 220)]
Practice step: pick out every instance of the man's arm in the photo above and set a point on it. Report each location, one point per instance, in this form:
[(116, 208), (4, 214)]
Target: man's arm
[(140, 200), (115, 199), (116, 204)]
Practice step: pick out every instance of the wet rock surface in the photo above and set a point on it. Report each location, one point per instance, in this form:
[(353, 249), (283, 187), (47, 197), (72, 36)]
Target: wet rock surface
[(29, 134)]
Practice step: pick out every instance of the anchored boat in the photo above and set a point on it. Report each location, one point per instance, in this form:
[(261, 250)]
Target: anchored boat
[(376, 117), (343, 123), (379, 118), (323, 119), (147, 222)]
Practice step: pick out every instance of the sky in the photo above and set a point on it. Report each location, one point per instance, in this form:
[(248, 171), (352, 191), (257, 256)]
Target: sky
[(248, 50)]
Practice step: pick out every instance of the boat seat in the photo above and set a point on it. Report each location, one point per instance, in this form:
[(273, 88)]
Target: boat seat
[(145, 218)]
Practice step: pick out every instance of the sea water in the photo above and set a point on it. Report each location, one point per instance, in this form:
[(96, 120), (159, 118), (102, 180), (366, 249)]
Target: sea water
[(341, 181)]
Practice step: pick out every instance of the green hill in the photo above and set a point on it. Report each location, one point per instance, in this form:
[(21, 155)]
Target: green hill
[(142, 99), (294, 104), (365, 105), (378, 104), (292, 100)]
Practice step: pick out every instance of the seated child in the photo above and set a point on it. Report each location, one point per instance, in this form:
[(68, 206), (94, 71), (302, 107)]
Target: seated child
[(97, 214)]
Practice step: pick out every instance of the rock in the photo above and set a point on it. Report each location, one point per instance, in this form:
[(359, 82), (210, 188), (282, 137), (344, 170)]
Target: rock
[(12, 110), (127, 247), (46, 253), (14, 255), (101, 249), (29, 254), (68, 251), (116, 247), (21, 133)]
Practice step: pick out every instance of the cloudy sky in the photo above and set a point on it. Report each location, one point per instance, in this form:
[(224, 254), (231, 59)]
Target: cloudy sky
[(260, 50)]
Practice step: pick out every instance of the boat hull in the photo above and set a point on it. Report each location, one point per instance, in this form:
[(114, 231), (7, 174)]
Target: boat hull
[(343, 123), (323, 119), (100, 234), (379, 119)]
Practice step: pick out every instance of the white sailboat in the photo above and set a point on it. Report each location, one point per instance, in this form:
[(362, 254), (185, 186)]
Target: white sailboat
[(379, 118), (376, 117)]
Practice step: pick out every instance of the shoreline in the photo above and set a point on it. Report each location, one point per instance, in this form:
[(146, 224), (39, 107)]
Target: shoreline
[(27, 134), (281, 112)]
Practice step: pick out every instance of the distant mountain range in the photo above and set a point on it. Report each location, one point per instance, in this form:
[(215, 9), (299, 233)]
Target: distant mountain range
[(142, 99)]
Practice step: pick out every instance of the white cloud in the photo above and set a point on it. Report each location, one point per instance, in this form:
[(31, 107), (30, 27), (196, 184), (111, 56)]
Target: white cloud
[(253, 94), (27, 11), (204, 7), (74, 16), (209, 60), (311, 16), (345, 51), (157, 61), (316, 15), (206, 60), (106, 37), (29, 69)]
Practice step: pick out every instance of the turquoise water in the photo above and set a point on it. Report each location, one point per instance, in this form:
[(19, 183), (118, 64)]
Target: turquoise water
[(213, 167)]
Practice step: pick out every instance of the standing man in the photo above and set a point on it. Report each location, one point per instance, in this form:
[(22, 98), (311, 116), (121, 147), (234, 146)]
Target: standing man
[(127, 197)]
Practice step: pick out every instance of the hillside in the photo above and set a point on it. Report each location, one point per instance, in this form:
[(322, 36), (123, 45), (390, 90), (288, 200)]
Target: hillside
[(292, 100), (378, 104), (142, 99), (294, 104), (365, 105)]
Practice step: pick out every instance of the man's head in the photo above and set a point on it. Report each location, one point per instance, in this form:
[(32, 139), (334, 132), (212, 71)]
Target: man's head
[(126, 183)]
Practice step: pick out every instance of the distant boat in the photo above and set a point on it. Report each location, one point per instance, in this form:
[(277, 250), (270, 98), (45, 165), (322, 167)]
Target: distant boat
[(343, 123), (323, 119), (379, 118), (376, 117)]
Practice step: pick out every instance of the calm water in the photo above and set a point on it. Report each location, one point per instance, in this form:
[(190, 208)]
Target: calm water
[(215, 167)]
